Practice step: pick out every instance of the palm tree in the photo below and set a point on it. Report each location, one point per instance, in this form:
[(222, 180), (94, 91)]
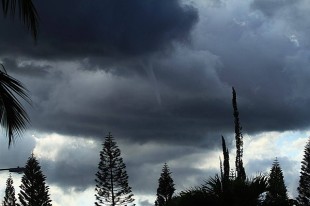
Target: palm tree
[(13, 116), (27, 13), (218, 191), (235, 191)]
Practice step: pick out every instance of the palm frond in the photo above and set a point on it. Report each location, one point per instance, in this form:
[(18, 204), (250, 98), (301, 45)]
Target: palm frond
[(13, 117), (26, 11), (214, 186)]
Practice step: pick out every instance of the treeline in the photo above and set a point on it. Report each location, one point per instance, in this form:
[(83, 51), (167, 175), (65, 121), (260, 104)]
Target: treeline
[(33, 189), (231, 187)]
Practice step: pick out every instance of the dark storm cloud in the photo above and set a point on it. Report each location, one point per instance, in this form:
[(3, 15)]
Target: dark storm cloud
[(265, 59), (92, 103), (78, 29), (183, 97), (77, 175)]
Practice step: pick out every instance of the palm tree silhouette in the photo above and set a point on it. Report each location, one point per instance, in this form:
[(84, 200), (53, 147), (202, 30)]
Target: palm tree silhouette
[(26, 12), (13, 117)]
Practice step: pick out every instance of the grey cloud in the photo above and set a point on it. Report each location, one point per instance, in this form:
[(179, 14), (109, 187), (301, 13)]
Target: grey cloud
[(103, 28), (18, 153), (190, 100), (271, 7), (145, 203), (75, 167), (66, 174), (255, 59), (24, 68), (81, 102)]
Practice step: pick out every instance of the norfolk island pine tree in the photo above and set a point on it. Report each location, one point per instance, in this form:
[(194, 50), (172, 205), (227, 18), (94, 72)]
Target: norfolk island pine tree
[(33, 190), (111, 179)]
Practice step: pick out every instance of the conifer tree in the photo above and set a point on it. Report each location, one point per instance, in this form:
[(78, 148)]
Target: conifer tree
[(304, 181), (239, 140), (277, 192), (165, 188), (9, 198), (112, 180), (33, 190)]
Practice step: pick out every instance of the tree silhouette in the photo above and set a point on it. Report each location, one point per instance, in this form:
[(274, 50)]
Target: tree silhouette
[(235, 192), (13, 117), (26, 11), (9, 198), (33, 190), (112, 179), (277, 192), (239, 140), (304, 181), (227, 189), (165, 188), (225, 172)]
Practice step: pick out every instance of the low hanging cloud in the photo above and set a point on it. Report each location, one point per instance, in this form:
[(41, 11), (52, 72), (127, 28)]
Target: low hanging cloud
[(184, 95)]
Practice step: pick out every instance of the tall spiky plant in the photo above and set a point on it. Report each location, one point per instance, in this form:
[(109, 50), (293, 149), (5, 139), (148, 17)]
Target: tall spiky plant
[(239, 139), (226, 161)]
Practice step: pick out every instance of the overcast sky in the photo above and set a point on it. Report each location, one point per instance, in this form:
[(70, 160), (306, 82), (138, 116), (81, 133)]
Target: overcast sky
[(157, 74)]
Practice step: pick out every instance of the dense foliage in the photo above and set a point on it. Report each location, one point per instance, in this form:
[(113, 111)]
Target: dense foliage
[(33, 190), (277, 192), (111, 179), (165, 188), (13, 117), (9, 198), (304, 182)]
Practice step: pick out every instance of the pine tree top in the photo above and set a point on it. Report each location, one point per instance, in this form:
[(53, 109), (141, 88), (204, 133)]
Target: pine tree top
[(9, 198), (276, 183), (166, 187), (111, 179), (33, 188), (304, 181)]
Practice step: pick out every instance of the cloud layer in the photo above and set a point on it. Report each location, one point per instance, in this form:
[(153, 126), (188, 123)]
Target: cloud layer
[(104, 28)]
